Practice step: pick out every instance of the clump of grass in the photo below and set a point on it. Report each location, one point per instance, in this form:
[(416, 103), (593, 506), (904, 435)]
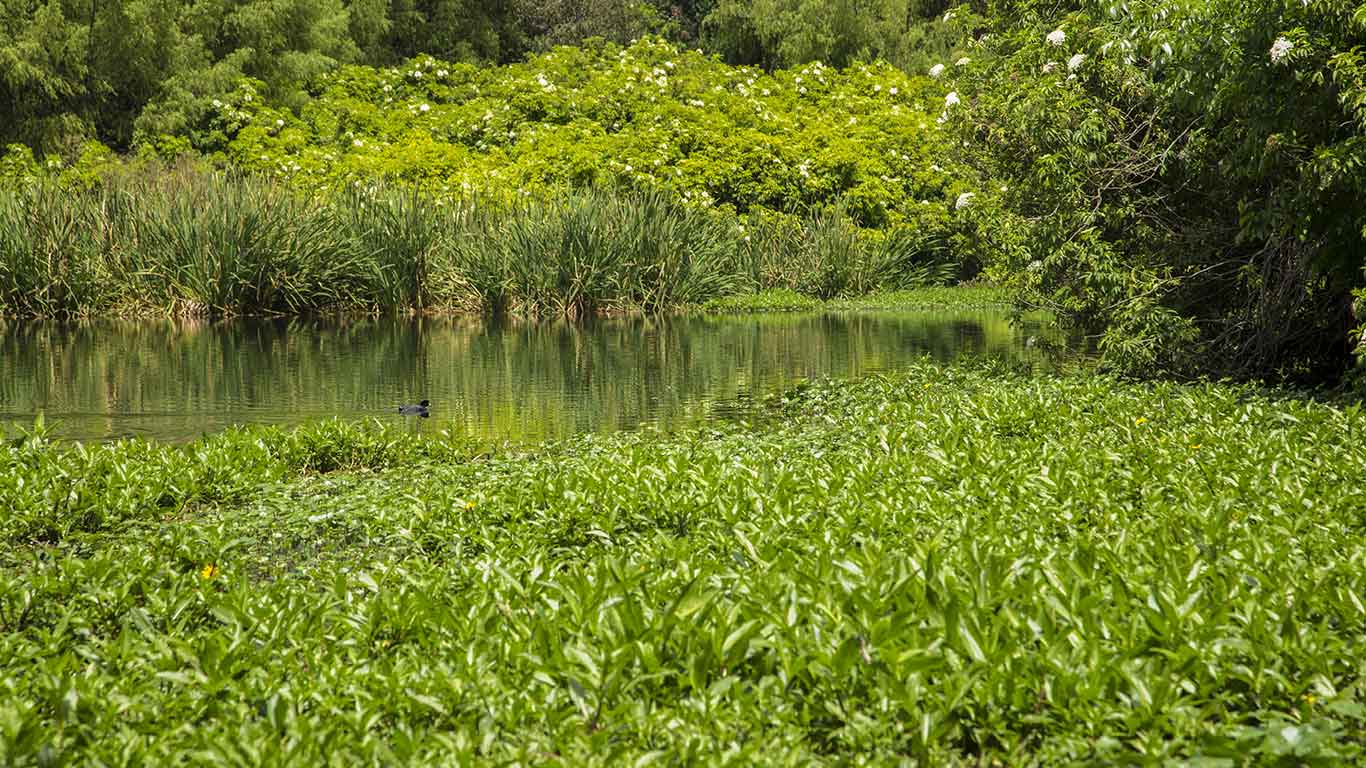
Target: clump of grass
[(826, 255), (403, 241), (232, 247), (973, 296), (771, 300), (584, 253), (54, 256)]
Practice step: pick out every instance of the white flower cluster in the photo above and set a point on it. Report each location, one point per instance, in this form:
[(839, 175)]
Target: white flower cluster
[(950, 102), (1280, 49), (936, 70), (1057, 37), (964, 200)]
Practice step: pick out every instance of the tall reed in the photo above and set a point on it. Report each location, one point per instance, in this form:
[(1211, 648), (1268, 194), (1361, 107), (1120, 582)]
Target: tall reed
[(186, 242), (593, 250), (53, 253)]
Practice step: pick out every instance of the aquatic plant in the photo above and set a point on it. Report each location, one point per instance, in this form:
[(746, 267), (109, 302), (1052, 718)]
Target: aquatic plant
[(184, 242), (957, 565)]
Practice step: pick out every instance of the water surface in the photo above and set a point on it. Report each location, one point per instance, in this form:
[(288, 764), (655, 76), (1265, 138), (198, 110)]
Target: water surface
[(504, 380)]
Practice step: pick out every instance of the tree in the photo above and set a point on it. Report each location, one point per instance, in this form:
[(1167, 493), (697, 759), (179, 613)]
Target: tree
[(1184, 179)]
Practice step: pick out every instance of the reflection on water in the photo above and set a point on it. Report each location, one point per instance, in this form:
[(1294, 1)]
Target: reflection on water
[(177, 380)]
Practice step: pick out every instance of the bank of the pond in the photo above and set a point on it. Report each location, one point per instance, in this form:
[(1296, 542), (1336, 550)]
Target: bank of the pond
[(955, 564), (965, 296), (201, 244)]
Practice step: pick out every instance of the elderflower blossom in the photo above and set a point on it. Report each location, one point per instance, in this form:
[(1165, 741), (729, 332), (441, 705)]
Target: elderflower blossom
[(964, 200), (1280, 49), (1075, 61), (952, 100), (936, 70), (963, 62), (1049, 67), (1057, 37), (424, 107)]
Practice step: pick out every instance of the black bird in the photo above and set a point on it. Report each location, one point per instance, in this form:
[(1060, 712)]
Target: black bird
[(416, 410)]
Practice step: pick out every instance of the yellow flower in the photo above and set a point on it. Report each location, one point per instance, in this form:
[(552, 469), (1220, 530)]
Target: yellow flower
[(469, 505), (208, 571), (1140, 421), (1195, 446)]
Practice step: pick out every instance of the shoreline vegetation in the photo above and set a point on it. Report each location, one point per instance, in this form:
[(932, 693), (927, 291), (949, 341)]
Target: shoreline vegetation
[(954, 564), (193, 243)]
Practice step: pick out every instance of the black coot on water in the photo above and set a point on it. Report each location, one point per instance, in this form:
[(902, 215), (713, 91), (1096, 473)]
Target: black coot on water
[(416, 410)]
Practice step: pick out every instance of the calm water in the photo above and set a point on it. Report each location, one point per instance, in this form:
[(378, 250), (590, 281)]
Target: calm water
[(178, 380)]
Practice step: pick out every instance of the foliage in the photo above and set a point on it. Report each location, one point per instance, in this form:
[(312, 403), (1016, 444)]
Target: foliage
[(956, 565), (126, 71), (929, 297), (789, 33), (74, 69), (1184, 180), (55, 490), (648, 115), (185, 242)]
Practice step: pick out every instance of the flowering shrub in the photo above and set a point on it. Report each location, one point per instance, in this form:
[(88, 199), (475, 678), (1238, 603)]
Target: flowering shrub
[(1195, 206), (644, 116)]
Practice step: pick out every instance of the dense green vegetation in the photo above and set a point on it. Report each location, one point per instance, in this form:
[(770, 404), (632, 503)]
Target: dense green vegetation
[(192, 244), (1185, 178), (952, 565), (124, 71), (1180, 181)]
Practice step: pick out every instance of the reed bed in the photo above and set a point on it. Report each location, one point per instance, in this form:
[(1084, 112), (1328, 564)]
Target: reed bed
[(187, 243)]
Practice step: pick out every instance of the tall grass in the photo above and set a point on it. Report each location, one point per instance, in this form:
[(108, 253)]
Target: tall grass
[(580, 254), (192, 243), (826, 255), (54, 256)]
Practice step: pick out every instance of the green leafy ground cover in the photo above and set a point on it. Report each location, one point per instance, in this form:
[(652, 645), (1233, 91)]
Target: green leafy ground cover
[(950, 565)]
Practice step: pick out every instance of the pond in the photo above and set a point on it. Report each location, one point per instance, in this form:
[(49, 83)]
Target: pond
[(503, 380)]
